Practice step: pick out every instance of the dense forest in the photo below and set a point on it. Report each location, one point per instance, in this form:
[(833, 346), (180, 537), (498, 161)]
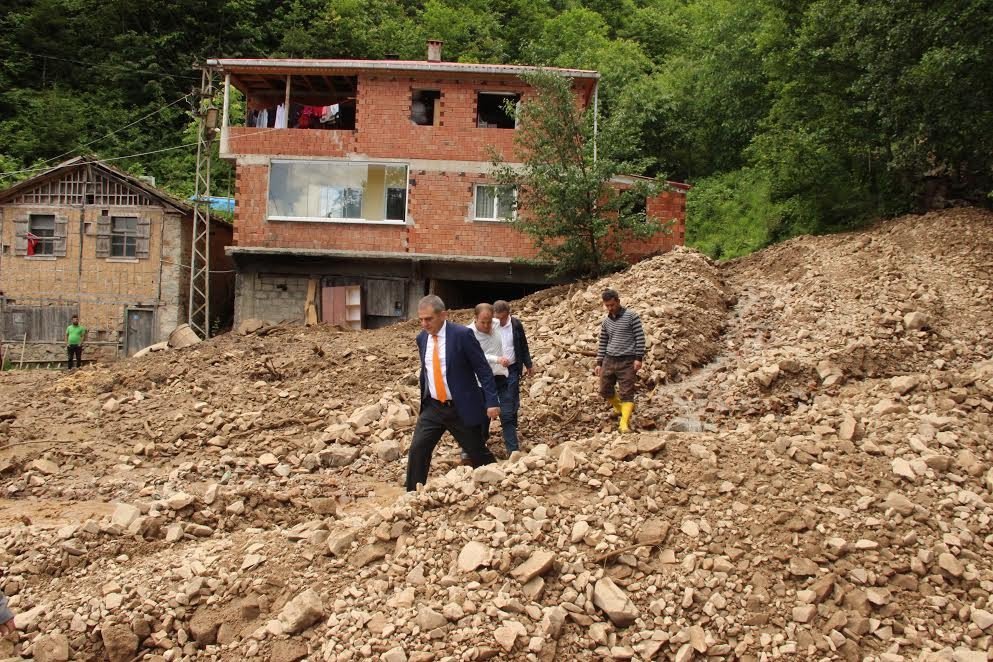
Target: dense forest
[(787, 116)]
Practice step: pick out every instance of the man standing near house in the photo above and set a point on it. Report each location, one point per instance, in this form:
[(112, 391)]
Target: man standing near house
[(492, 344), (458, 393), (619, 356), (518, 355), (75, 337)]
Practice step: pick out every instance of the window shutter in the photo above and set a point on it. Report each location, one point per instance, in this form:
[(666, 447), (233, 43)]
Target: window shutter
[(103, 236), (61, 233), (21, 236), (141, 244)]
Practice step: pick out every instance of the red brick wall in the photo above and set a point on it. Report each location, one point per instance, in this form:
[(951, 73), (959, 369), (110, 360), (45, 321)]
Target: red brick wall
[(439, 205), (383, 128)]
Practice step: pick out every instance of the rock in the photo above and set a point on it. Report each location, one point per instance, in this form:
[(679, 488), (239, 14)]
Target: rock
[(652, 531), (124, 515), (767, 375), (340, 543), (288, 650), (950, 564), (899, 503), (387, 451), (474, 555), (848, 430), (301, 612), (119, 641), (966, 655), (506, 636), (51, 648), (805, 613), (395, 654), (902, 468), (268, 460), (179, 500), (537, 564), (802, 567), (341, 456), (46, 467), (250, 325), (904, 384), (614, 602), (367, 554), (690, 528), (982, 619), (367, 415), (428, 619), (110, 405), (488, 473), (579, 531), (914, 321), (553, 621)]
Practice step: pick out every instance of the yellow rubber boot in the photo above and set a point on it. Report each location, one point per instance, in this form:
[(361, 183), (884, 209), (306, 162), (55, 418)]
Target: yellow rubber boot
[(615, 402), (627, 408)]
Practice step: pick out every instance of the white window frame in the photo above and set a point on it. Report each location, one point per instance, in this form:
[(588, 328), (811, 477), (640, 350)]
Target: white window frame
[(498, 93), (45, 240), (125, 235), (496, 206), (348, 221)]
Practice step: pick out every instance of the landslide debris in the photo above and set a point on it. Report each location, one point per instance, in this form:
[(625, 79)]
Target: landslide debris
[(812, 479)]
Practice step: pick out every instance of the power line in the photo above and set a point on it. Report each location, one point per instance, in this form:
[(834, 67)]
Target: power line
[(131, 156), (41, 166), (96, 65)]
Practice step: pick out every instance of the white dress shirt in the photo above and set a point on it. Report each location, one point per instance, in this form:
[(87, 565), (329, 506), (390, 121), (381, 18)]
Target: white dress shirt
[(429, 363), (492, 345), (507, 333)]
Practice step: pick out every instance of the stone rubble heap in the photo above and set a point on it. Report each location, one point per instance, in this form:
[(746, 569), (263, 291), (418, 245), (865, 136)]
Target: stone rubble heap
[(827, 492)]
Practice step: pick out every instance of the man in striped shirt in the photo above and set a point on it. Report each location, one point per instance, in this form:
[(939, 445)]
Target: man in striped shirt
[(619, 356)]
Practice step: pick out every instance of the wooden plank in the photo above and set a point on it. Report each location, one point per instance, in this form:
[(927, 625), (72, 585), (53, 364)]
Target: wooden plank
[(310, 307)]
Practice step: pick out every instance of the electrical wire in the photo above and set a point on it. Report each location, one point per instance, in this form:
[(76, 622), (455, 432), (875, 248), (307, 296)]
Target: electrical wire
[(115, 131), (96, 65)]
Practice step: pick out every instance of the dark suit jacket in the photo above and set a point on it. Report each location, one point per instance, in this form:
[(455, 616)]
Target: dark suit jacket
[(522, 353), (465, 363)]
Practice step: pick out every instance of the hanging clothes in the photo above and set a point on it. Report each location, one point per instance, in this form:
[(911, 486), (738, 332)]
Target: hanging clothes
[(330, 113), (280, 116)]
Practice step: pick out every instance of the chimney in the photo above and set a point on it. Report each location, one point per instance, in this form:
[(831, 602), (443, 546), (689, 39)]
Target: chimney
[(434, 50)]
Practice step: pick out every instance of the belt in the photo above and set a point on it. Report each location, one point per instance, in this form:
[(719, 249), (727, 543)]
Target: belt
[(446, 403)]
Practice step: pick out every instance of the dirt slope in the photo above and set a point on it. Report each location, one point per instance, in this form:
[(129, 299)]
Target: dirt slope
[(811, 479)]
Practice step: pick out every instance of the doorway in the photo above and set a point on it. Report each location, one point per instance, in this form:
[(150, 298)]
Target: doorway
[(138, 332)]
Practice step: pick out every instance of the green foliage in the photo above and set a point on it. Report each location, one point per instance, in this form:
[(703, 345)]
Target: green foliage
[(788, 117), (576, 218)]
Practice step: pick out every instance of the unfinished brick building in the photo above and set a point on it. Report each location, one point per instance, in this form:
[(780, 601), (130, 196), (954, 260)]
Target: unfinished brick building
[(366, 182), (85, 238)]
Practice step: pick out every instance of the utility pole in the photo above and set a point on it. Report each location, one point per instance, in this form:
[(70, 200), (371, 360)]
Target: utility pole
[(199, 303)]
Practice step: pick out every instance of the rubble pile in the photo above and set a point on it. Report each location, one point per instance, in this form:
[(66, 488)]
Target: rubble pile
[(812, 479)]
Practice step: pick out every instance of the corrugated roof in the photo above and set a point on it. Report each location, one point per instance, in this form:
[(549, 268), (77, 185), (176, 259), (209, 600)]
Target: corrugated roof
[(234, 65), (79, 161)]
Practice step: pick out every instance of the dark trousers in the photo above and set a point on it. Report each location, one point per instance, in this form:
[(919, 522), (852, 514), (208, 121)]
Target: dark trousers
[(510, 402), (433, 421), (619, 371), (77, 351)]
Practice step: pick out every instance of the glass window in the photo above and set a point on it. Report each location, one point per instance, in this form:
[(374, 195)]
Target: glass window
[(123, 236), (491, 110), (494, 203), (41, 234), (319, 190)]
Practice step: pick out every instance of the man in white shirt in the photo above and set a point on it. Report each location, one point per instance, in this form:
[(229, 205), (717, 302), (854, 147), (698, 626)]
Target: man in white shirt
[(492, 343), (518, 355)]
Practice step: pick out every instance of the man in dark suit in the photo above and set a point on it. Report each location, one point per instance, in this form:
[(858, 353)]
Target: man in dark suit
[(457, 391)]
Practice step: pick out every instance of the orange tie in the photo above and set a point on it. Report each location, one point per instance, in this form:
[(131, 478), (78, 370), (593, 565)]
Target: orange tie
[(439, 379)]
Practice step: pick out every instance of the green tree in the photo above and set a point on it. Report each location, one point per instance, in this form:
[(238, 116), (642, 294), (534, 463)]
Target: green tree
[(576, 217)]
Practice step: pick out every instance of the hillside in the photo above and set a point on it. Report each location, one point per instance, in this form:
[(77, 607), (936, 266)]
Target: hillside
[(811, 478)]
